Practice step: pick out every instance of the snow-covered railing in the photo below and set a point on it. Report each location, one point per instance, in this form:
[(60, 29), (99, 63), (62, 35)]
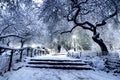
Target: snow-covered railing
[(36, 52), (39, 52), (74, 54), (17, 55), (78, 54), (7, 58)]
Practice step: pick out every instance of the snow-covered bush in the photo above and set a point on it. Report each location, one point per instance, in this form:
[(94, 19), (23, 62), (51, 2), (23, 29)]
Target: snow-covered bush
[(109, 63), (4, 63), (98, 62), (6, 53), (74, 54), (112, 62)]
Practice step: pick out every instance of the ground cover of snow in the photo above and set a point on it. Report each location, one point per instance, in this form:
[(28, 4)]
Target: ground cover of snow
[(27, 73), (58, 74), (54, 57)]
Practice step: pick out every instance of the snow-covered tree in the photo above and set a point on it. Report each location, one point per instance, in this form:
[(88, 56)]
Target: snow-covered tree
[(90, 15)]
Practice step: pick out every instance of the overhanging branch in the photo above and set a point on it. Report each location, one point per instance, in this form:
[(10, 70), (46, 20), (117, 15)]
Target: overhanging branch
[(11, 35), (5, 28), (84, 27), (10, 48), (69, 31), (110, 16)]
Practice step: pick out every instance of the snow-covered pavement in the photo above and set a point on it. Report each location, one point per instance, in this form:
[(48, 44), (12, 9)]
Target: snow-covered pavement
[(58, 74), (54, 57), (27, 73)]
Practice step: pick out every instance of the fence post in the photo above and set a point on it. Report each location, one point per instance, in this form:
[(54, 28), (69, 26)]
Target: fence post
[(10, 63)]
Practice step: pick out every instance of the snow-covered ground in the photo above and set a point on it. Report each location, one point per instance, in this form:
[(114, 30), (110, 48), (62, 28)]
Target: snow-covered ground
[(57, 56), (57, 74), (27, 73)]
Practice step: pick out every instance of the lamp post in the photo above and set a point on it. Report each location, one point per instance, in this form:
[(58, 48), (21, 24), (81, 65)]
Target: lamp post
[(74, 38)]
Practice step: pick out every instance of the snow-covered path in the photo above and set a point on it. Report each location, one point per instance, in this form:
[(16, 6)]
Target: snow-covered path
[(58, 56), (27, 73), (58, 74)]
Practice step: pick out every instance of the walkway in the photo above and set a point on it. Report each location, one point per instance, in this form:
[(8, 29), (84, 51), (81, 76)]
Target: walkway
[(27, 73)]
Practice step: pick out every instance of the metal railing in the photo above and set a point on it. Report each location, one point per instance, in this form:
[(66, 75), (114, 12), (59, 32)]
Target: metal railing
[(18, 55)]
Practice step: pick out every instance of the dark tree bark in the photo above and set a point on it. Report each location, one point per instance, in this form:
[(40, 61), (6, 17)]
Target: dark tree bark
[(102, 45), (87, 25), (22, 42), (10, 63), (21, 51), (99, 41), (21, 54), (28, 51), (31, 54), (59, 48), (8, 43)]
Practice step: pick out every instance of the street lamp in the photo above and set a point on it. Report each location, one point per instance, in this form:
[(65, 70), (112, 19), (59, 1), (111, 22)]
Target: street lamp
[(74, 38)]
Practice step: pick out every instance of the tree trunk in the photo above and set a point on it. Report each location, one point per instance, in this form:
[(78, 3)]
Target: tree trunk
[(22, 44), (28, 51), (8, 43), (21, 51), (59, 48), (21, 55), (102, 45), (31, 52), (100, 42), (10, 63)]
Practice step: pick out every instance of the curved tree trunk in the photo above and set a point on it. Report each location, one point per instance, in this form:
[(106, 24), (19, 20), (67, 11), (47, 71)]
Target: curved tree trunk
[(100, 42), (102, 45), (87, 25)]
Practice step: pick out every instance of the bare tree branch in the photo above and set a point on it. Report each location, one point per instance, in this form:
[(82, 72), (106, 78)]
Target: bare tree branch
[(11, 35), (110, 16), (10, 48), (5, 28), (83, 2), (84, 27), (75, 19), (69, 30)]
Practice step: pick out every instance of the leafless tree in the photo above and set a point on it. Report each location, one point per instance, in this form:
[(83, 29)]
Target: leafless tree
[(90, 11)]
